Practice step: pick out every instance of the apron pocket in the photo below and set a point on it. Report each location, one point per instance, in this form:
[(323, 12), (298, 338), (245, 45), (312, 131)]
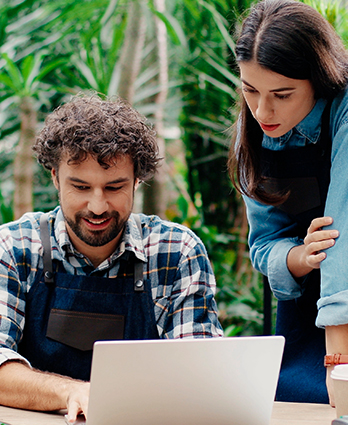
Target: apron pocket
[(81, 329)]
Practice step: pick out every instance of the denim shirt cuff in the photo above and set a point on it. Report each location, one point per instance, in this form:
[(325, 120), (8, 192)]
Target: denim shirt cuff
[(284, 286), (333, 310)]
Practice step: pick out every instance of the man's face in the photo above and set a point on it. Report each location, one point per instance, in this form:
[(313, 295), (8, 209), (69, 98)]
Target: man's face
[(96, 203)]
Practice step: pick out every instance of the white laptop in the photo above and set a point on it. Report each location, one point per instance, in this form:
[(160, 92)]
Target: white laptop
[(214, 381)]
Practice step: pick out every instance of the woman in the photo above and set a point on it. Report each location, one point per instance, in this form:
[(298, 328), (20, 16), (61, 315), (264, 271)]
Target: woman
[(290, 161)]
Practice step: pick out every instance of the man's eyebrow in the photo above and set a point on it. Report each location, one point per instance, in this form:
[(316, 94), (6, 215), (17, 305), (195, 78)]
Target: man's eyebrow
[(272, 91), (116, 181)]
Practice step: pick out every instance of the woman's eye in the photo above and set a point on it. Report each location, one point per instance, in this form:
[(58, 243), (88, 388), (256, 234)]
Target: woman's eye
[(248, 90), (282, 96)]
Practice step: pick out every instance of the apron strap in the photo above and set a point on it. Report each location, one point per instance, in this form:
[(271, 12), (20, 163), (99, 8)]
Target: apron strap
[(46, 244), (138, 265)]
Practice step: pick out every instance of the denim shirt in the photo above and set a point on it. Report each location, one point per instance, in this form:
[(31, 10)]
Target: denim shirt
[(269, 226)]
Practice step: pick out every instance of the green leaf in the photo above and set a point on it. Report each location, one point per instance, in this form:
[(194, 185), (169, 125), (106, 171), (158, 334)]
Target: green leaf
[(223, 70), (193, 9), (27, 66), (221, 24), (13, 72), (51, 66), (7, 81), (215, 82), (174, 29), (85, 71)]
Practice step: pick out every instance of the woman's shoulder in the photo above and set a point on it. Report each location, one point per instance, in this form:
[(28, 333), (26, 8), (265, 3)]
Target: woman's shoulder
[(340, 102), (339, 110)]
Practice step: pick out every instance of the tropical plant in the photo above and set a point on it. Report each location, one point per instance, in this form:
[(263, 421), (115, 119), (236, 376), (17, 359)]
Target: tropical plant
[(194, 85), (22, 86)]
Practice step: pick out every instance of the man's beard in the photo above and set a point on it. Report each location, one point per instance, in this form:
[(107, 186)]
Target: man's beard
[(97, 237)]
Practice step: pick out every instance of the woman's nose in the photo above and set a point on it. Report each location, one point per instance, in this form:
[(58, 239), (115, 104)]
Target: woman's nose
[(265, 111)]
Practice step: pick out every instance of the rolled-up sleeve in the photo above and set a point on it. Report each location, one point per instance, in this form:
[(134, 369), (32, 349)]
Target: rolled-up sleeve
[(333, 303), (19, 243), (182, 280), (270, 243), (12, 303)]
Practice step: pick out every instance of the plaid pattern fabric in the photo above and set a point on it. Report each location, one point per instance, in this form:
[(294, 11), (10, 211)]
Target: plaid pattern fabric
[(175, 263)]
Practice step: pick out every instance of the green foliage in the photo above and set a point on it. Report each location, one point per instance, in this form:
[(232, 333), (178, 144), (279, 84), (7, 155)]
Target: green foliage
[(94, 52), (6, 210), (239, 293), (335, 13)]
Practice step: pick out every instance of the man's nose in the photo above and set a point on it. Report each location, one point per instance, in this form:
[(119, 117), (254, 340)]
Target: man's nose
[(98, 203)]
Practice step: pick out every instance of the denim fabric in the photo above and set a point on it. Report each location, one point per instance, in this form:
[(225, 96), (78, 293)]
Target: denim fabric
[(271, 238), (83, 294)]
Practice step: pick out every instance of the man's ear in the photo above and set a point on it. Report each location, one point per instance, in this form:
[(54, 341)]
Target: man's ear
[(54, 175), (136, 184)]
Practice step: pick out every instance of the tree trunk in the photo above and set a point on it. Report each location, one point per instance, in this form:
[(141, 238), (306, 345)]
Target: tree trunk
[(131, 51), (155, 199), (24, 162)]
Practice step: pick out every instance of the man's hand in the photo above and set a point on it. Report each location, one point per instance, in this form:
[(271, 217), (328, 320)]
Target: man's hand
[(26, 388), (77, 402)]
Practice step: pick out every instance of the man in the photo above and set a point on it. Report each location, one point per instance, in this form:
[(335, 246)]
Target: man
[(91, 269)]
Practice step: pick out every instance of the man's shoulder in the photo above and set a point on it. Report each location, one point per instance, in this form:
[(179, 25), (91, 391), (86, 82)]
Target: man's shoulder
[(166, 231), (28, 222), (154, 223)]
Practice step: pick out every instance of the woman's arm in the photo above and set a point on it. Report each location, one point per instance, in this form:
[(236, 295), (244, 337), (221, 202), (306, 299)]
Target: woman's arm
[(271, 237)]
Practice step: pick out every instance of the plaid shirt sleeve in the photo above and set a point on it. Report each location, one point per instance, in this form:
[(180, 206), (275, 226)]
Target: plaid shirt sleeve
[(183, 281), (19, 244)]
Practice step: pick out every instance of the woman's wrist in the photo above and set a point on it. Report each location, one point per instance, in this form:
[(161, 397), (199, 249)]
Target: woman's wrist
[(296, 263)]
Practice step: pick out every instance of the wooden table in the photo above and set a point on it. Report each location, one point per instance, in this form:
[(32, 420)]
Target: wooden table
[(302, 414), (283, 414)]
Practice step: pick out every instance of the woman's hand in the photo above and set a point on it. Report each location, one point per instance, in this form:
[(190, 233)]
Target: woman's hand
[(318, 240), (304, 258)]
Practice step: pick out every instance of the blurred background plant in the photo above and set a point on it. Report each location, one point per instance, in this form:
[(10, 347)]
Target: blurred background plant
[(173, 60)]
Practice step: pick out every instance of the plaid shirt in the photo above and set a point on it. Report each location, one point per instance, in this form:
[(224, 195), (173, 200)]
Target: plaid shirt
[(175, 262)]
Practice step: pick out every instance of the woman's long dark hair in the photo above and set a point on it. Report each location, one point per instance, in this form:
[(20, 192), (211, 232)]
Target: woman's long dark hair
[(292, 39)]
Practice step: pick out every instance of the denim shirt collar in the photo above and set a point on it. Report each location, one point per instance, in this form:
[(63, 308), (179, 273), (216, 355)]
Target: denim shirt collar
[(305, 132)]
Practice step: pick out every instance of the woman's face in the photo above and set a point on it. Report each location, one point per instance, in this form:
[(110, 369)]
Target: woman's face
[(278, 103)]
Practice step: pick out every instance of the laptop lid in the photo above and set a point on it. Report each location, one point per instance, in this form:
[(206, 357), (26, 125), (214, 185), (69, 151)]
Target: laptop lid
[(216, 381)]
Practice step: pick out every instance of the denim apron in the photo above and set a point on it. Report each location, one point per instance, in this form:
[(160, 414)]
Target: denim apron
[(66, 314), (305, 172)]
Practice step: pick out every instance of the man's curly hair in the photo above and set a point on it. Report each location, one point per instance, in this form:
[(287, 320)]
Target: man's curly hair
[(104, 129)]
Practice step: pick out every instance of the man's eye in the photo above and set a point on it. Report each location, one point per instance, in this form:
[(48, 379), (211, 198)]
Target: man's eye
[(78, 187), (112, 188)]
